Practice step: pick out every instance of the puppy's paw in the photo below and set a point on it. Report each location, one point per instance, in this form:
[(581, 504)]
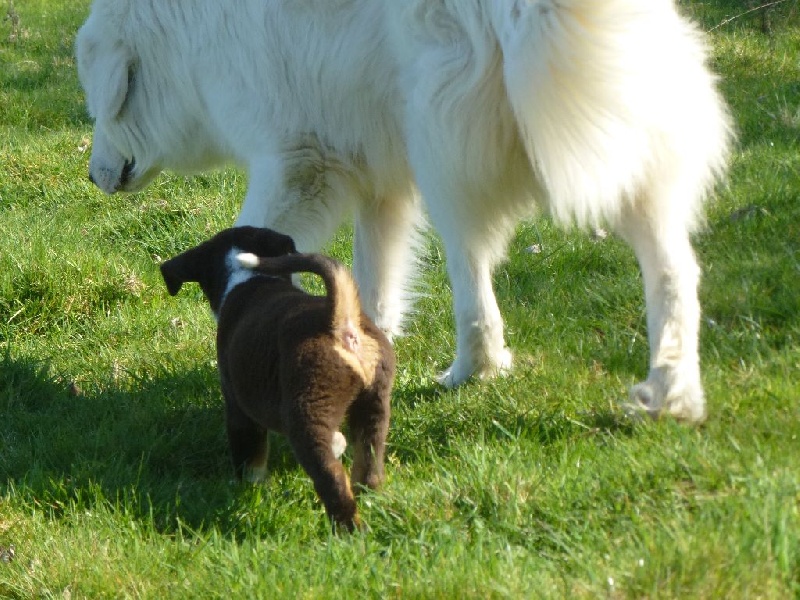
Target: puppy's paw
[(346, 526), (255, 474), (338, 444)]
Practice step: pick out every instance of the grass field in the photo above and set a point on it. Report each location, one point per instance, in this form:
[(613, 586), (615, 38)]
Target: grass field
[(114, 472)]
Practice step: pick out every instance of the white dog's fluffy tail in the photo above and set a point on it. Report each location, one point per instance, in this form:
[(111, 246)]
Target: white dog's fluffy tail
[(610, 96), (359, 350)]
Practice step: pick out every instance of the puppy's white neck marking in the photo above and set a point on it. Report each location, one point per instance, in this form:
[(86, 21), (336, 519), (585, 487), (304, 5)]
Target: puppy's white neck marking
[(237, 274)]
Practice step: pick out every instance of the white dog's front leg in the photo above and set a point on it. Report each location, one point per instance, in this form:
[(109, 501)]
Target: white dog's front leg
[(295, 193), (384, 258), (263, 192)]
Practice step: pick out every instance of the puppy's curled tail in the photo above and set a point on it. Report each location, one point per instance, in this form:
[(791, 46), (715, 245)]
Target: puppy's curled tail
[(359, 350)]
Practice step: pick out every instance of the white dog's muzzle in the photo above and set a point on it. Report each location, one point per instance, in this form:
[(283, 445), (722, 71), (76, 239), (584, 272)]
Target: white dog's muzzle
[(108, 168)]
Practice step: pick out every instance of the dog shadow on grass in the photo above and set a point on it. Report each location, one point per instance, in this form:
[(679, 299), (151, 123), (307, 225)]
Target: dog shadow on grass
[(431, 419), (155, 448)]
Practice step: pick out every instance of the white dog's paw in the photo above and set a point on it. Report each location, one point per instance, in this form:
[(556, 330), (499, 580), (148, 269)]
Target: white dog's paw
[(688, 412), (461, 370), (643, 399), (688, 406), (652, 397), (388, 320), (504, 362), (390, 335), (448, 379), (338, 444)]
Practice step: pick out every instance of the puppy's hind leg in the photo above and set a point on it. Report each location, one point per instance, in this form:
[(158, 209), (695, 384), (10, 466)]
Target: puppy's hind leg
[(311, 443), (248, 442), (368, 418)]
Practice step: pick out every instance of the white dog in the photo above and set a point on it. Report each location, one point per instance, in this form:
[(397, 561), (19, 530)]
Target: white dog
[(594, 111)]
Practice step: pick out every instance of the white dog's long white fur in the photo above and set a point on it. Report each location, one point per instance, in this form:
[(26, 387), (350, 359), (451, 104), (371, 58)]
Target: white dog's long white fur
[(595, 111)]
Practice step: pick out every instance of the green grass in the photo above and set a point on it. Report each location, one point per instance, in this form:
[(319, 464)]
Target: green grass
[(114, 472)]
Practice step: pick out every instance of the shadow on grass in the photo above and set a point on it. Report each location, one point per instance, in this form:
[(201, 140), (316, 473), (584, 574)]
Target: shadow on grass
[(431, 419), (155, 449)]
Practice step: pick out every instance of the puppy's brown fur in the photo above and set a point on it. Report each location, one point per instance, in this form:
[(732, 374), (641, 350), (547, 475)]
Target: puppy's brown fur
[(291, 362)]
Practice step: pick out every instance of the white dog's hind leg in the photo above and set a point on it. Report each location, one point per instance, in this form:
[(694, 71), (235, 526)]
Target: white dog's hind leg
[(480, 347), (670, 273), (475, 228), (385, 257)]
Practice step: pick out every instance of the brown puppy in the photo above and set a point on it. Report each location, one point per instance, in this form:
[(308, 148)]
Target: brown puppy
[(292, 362)]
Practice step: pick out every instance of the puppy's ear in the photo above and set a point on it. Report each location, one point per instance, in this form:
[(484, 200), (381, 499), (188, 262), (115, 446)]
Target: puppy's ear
[(105, 71), (178, 271), (283, 244), (288, 246), (268, 242)]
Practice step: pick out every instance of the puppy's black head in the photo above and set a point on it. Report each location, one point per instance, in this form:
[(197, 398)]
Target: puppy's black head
[(210, 263)]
